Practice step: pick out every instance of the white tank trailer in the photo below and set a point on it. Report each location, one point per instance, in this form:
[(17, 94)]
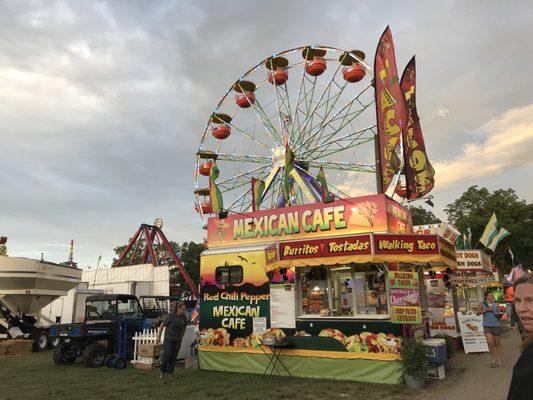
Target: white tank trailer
[(26, 287)]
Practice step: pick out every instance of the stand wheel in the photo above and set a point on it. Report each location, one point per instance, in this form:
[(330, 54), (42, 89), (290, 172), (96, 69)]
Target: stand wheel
[(120, 363), (110, 361)]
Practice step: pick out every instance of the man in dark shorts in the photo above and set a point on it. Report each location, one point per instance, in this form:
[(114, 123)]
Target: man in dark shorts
[(174, 325)]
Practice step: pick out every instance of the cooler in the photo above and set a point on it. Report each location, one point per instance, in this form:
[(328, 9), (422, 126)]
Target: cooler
[(435, 350)]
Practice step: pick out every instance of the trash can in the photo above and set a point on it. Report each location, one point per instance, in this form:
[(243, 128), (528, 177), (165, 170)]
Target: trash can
[(435, 351)]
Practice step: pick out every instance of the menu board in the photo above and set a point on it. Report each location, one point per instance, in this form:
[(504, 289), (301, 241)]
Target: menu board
[(404, 297), (259, 324), (471, 327), (282, 306), (403, 280)]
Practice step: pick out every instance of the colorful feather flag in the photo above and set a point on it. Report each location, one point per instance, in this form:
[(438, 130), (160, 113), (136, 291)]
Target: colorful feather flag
[(289, 165), (490, 231), (502, 233), (258, 187), (419, 173), (321, 177), (391, 111), (217, 203)]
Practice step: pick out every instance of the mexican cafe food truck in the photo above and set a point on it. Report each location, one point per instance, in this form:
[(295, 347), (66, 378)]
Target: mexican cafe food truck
[(342, 282)]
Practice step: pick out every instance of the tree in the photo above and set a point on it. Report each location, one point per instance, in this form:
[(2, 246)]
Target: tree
[(421, 216), (189, 254), (474, 208)]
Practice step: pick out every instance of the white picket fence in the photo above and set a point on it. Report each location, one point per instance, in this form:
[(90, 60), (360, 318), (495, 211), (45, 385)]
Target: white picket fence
[(146, 336), (150, 336)]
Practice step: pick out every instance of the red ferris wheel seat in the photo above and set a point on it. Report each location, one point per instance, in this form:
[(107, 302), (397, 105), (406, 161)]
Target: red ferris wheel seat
[(206, 208), (279, 76), (221, 131), (205, 168), (316, 67), (354, 73), (245, 100)]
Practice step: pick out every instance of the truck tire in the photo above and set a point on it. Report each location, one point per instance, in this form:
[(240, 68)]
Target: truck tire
[(42, 341), (64, 354), (94, 355)]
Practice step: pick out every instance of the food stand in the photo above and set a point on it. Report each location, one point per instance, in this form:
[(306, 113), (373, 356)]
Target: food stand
[(452, 307), (341, 281)]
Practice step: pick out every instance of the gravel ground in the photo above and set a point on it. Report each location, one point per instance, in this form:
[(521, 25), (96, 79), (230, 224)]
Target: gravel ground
[(472, 378)]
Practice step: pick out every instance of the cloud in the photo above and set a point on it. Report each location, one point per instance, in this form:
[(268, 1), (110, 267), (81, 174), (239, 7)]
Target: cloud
[(439, 112), (103, 103), (508, 144)]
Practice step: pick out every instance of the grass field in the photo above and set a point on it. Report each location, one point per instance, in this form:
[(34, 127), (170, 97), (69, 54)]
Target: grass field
[(35, 376)]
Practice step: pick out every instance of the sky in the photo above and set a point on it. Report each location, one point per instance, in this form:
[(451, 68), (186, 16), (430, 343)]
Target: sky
[(103, 104)]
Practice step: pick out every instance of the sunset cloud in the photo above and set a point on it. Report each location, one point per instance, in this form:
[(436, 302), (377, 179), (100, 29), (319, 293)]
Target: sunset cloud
[(507, 144)]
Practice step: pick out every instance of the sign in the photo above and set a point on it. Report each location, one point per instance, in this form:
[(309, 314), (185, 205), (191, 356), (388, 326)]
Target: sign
[(443, 229), (361, 249), (471, 327), (282, 306), (232, 309), (447, 249), (406, 315), (403, 280), (406, 244), (443, 326), (474, 278), (259, 324), (405, 297), (398, 218), (351, 245), (439, 324), (473, 259), (311, 221)]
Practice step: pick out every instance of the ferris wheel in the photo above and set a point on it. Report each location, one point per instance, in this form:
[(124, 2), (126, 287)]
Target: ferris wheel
[(311, 105)]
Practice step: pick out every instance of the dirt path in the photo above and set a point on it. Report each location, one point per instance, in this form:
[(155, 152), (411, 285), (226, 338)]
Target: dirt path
[(472, 378)]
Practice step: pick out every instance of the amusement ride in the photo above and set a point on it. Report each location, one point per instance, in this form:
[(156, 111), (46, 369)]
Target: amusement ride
[(285, 124)]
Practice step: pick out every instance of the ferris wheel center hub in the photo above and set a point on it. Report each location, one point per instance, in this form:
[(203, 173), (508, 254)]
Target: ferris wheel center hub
[(278, 156)]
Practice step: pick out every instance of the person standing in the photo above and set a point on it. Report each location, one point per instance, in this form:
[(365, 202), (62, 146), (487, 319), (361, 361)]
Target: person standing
[(521, 387), (491, 327), (174, 325)]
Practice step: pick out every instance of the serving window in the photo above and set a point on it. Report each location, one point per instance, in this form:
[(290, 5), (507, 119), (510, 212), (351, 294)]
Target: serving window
[(342, 291), (229, 275)]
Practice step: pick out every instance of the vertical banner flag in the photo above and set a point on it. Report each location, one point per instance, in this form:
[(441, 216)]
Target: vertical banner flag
[(289, 165), (502, 233), (490, 231), (258, 187), (419, 174), (391, 112), (216, 196), (321, 177)]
